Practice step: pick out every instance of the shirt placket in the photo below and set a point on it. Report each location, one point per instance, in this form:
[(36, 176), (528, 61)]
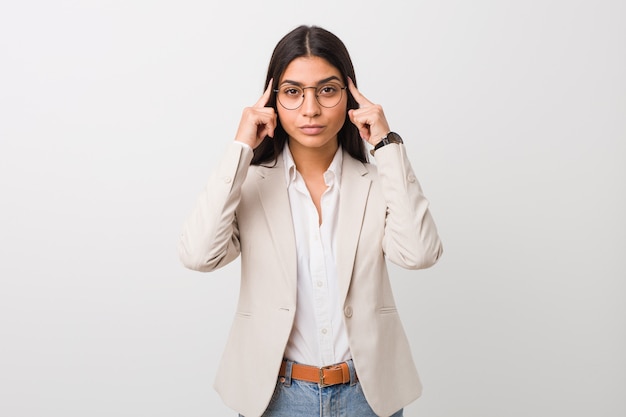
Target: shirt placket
[(319, 283)]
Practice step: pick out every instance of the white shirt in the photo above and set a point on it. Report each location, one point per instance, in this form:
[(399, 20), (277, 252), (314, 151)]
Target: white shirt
[(319, 335)]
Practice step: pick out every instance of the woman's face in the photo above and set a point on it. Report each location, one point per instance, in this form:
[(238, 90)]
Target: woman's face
[(311, 125)]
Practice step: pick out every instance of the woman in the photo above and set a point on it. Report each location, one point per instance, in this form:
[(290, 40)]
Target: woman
[(316, 330)]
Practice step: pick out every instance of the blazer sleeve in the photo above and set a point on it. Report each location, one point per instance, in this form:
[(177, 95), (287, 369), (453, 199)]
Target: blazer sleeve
[(210, 236), (410, 239)]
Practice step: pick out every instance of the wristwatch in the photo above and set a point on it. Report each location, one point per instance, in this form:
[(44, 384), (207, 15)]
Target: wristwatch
[(391, 137)]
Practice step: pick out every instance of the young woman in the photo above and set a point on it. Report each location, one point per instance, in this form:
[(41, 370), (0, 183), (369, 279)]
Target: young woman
[(316, 331)]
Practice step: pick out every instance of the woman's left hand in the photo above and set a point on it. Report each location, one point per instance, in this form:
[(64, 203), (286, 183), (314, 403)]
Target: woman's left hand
[(369, 118)]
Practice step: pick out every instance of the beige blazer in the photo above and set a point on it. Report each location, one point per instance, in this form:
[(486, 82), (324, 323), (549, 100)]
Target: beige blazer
[(383, 215)]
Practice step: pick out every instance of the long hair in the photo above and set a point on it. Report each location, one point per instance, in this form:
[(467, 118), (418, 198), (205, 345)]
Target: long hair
[(306, 41)]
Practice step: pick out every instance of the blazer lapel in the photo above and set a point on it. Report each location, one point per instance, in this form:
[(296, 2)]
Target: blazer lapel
[(355, 186), (272, 188)]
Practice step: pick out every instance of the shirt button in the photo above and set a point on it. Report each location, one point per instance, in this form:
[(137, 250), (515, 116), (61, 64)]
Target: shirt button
[(227, 180), (411, 178), (348, 311), (320, 284), (324, 331)]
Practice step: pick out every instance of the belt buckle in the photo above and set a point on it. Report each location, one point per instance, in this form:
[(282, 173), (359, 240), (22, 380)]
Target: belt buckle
[(321, 382)]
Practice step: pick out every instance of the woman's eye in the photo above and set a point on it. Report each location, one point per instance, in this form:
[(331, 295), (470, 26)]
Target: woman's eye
[(327, 90), (292, 92)]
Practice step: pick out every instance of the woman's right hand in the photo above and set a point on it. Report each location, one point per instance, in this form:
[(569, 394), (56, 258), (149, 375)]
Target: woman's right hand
[(257, 121)]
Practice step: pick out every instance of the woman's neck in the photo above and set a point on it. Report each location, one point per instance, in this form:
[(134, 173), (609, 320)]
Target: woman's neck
[(312, 161)]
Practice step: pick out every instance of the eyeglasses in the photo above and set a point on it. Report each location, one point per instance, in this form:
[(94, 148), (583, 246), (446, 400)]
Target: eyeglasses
[(328, 95)]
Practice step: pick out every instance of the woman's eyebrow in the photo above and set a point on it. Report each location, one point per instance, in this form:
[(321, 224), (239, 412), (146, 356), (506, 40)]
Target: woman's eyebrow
[(299, 84)]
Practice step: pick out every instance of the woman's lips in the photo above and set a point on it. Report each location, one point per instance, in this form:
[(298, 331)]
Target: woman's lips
[(311, 129)]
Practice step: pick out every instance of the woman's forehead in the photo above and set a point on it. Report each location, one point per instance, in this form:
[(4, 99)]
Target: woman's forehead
[(309, 70)]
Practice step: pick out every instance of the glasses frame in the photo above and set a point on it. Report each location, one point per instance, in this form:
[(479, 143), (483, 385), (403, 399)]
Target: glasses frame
[(317, 97)]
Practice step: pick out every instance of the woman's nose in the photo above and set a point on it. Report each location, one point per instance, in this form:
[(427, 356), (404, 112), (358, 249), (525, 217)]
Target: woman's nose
[(310, 105)]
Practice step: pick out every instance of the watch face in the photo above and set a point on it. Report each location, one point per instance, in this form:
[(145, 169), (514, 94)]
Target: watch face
[(393, 137)]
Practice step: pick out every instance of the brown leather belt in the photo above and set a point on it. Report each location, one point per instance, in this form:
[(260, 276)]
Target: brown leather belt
[(329, 375)]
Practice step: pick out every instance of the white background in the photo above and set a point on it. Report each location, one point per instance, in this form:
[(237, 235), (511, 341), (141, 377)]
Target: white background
[(112, 114)]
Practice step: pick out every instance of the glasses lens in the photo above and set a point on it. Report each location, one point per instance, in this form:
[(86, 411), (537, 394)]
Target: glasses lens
[(328, 95), (290, 97)]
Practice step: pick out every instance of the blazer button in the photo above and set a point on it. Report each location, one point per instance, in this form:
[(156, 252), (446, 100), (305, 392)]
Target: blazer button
[(348, 311), (411, 178)]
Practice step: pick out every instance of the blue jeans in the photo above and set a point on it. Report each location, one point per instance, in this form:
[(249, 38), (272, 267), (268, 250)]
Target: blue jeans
[(293, 398)]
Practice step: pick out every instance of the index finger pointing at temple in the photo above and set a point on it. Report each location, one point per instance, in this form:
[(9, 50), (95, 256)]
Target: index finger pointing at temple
[(265, 97), (360, 98)]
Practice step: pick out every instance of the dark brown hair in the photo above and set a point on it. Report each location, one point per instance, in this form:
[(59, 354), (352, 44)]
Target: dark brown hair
[(301, 42)]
